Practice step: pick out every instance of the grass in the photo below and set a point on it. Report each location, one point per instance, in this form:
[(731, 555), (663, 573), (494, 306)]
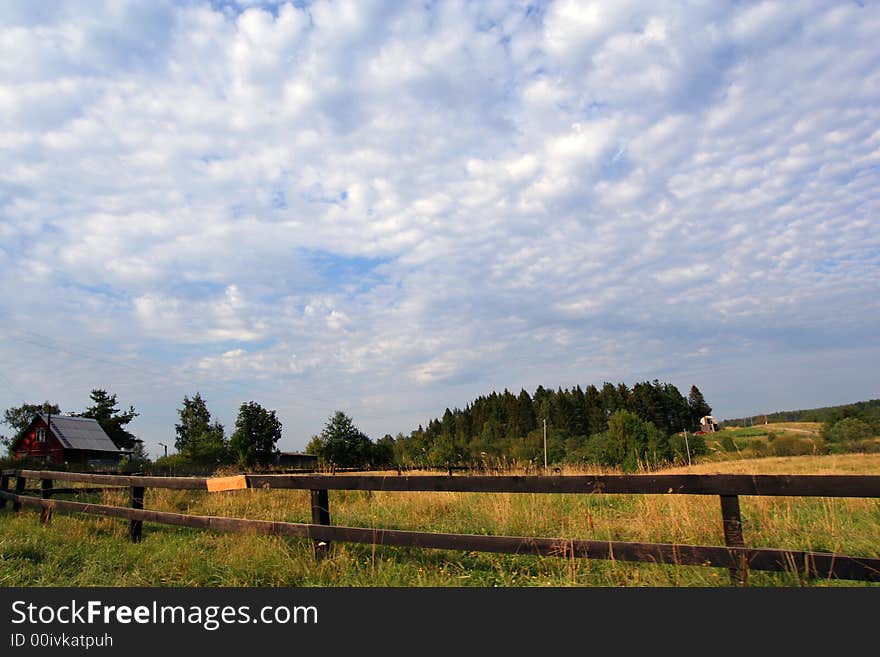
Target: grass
[(761, 440), (778, 427), (81, 550)]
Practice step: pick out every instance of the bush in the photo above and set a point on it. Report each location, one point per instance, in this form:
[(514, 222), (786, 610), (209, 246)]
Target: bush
[(760, 448), (695, 444), (178, 465), (791, 446), (847, 429), (727, 443), (867, 446)]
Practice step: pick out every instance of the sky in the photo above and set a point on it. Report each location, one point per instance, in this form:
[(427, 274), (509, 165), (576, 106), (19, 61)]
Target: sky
[(391, 208)]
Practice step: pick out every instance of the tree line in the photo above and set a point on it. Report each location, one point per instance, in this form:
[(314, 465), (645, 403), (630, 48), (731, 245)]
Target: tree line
[(199, 439), (865, 411), (614, 426)]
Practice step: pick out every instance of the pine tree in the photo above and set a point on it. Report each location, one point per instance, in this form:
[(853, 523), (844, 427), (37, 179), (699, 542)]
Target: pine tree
[(698, 406), (200, 440), (111, 419)]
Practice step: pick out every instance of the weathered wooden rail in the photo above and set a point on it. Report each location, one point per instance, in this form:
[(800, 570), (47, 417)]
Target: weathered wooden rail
[(734, 555)]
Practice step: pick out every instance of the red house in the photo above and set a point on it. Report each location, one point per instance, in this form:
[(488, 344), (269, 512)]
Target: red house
[(66, 439)]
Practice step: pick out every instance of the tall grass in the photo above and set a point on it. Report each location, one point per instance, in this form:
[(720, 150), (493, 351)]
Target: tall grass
[(81, 550)]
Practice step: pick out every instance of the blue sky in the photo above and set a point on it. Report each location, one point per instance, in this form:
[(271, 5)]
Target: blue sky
[(390, 208)]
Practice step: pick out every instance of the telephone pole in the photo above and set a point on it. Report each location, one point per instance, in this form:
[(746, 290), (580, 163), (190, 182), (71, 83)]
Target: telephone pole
[(545, 443)]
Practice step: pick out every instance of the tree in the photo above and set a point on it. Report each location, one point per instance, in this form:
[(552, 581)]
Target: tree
[(19, 417), (343, 444), (847, 429), (630, 442), (383, 451), (257, 430), (139, 453), (315, 446), (199, 439), (698, 406), (111, 419)]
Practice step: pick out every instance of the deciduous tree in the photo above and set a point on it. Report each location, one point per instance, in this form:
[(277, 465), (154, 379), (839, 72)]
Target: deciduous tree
[(257, 431), (343, 444), (19, 417)]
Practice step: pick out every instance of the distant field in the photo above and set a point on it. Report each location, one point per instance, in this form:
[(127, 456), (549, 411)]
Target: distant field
[(777, 427), (778, 439), (79, 550)]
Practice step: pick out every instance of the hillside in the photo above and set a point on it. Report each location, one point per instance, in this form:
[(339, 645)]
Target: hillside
[(783, 439), (867, 410)]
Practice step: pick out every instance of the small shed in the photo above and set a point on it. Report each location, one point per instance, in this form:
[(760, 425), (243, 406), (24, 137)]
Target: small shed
[(299, 460), (67, 439), (708, 424)]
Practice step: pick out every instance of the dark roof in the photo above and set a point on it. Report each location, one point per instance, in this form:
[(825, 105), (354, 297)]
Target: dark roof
[(81, 433)]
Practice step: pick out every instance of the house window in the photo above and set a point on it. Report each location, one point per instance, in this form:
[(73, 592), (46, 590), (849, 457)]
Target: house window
[(41, 435)]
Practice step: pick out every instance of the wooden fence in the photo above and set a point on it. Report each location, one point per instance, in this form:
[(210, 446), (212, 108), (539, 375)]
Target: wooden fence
[(734, 555)]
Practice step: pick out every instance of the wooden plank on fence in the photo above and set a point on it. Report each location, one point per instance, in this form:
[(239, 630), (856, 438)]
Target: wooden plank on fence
[(714, 484), (218, 484), (708, 484), (176, 483), (816, 564)]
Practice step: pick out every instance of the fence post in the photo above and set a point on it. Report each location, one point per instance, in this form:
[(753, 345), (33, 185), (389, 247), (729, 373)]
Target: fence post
[(136, 526), (19, 490), (321, 516), (4, 486), (45, 493), (733, 537)]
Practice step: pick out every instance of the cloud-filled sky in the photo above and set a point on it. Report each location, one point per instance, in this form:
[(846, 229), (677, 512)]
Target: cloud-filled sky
[(390, 208)]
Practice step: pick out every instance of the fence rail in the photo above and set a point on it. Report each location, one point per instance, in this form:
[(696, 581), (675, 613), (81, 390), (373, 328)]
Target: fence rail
[(734, 555)]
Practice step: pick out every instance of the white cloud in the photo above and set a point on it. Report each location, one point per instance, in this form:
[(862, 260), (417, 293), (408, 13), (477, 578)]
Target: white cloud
[(376, 201)]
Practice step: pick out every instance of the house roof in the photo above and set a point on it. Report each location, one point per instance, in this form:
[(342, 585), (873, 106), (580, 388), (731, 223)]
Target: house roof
[(81, 433)]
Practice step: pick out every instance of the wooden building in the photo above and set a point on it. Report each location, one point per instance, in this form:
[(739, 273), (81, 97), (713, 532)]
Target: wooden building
[(708, 424), (67, 439), (296, 460)]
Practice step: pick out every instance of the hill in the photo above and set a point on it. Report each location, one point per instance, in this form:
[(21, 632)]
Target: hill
[(869, 411), (559, 426)]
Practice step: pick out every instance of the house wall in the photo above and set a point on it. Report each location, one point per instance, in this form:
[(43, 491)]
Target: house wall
[(52, 450)]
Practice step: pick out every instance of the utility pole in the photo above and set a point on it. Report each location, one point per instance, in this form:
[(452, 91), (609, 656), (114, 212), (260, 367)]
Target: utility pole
[(166, 448), (545, 443)]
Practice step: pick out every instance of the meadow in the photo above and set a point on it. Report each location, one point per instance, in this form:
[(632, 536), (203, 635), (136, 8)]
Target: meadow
[(81, 550)]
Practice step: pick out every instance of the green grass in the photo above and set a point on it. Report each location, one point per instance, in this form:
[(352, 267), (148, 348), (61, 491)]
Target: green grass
[(81, 550), (747, 432)]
